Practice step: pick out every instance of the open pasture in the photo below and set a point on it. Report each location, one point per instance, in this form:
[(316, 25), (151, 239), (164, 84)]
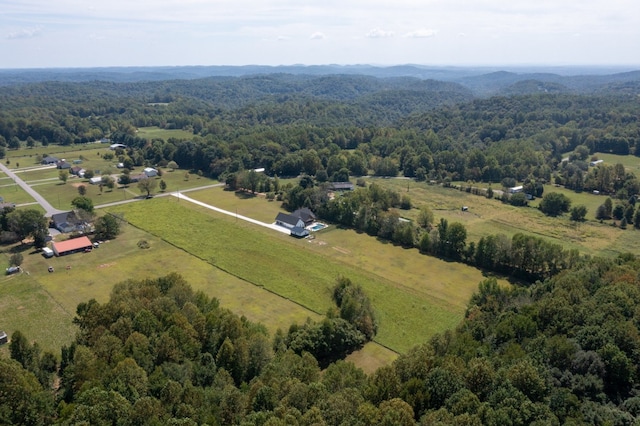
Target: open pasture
[(630, 162), (305, 272), (155, 132), (491, 216), (36, 301)]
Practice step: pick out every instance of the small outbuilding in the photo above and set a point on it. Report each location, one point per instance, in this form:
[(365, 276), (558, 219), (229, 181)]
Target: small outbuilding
[(47, 252), (3, 337), (74, 245)]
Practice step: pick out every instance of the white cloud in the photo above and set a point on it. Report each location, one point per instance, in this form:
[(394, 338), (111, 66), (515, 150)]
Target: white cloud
[(25, 33), (422, 33), (318, 36), (379, 33)]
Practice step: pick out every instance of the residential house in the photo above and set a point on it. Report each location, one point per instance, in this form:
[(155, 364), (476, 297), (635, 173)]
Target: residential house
[(289, 221), (49, 160), (62, 164), (69, 222), (595, 162), (307, 216), (150, 172), (299, 232), (341, 186), (76, 170), (115, 146), (515, 189), (96, 180)]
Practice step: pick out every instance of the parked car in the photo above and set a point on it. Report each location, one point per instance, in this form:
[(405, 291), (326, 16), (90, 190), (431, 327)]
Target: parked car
[(13, 270)]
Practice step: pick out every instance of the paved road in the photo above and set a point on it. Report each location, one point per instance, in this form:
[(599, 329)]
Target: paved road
[(49, 209)]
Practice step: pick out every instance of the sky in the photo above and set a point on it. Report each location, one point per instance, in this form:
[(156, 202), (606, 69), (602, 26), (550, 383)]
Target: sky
[(84, 33)]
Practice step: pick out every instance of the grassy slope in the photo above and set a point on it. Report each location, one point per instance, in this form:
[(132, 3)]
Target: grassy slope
[(409, 311), (487, 217)]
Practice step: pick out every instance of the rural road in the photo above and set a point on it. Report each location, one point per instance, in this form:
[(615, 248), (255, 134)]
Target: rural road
[(49, 209)]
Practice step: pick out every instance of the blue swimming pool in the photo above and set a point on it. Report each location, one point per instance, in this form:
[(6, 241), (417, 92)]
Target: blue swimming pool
[(317, 226)]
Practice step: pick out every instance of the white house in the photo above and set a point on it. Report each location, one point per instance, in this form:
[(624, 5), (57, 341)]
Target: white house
[(596, 162), (515, 189), (115, 146), (95, 180), (289, 221), (150, 172)]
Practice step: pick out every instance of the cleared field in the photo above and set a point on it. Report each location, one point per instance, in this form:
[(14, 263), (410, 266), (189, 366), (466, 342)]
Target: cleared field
[(27, 306), (490, 216), (158, 133), (83, 276), (27, 156), (630, 162), (304, 272)]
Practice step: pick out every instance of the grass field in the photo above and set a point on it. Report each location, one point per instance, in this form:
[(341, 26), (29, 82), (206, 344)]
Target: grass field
[(410, 309), (158, 133), (80, 277), (630, 162), (490, 216)]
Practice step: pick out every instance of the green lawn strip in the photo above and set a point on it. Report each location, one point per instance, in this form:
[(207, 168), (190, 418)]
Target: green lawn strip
[(26, 157), (158, 133), (286, 267)]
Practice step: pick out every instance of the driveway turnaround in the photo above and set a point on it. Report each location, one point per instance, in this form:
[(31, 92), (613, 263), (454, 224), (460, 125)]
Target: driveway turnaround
[(248, 219)]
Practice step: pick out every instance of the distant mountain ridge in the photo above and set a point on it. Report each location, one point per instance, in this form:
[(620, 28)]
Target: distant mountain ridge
[(481, 81)]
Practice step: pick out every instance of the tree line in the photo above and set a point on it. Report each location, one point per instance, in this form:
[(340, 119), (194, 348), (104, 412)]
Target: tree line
[(564, 351)]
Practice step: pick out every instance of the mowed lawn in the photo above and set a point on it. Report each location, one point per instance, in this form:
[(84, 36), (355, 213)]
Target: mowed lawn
[(414, 296), (155, 132), (27, 306)]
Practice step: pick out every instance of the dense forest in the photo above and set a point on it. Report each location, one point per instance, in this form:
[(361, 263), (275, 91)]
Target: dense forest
[(564, 351), (562, 348)]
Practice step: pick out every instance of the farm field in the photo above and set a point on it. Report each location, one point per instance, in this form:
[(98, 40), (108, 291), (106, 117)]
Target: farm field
[(83, 276), (630, 162), (409, 312), (27, 156), (156, 132), (346, 246), (490, 216)]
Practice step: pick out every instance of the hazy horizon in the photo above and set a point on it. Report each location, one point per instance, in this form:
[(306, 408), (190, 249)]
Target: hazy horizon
[(445, 33)]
